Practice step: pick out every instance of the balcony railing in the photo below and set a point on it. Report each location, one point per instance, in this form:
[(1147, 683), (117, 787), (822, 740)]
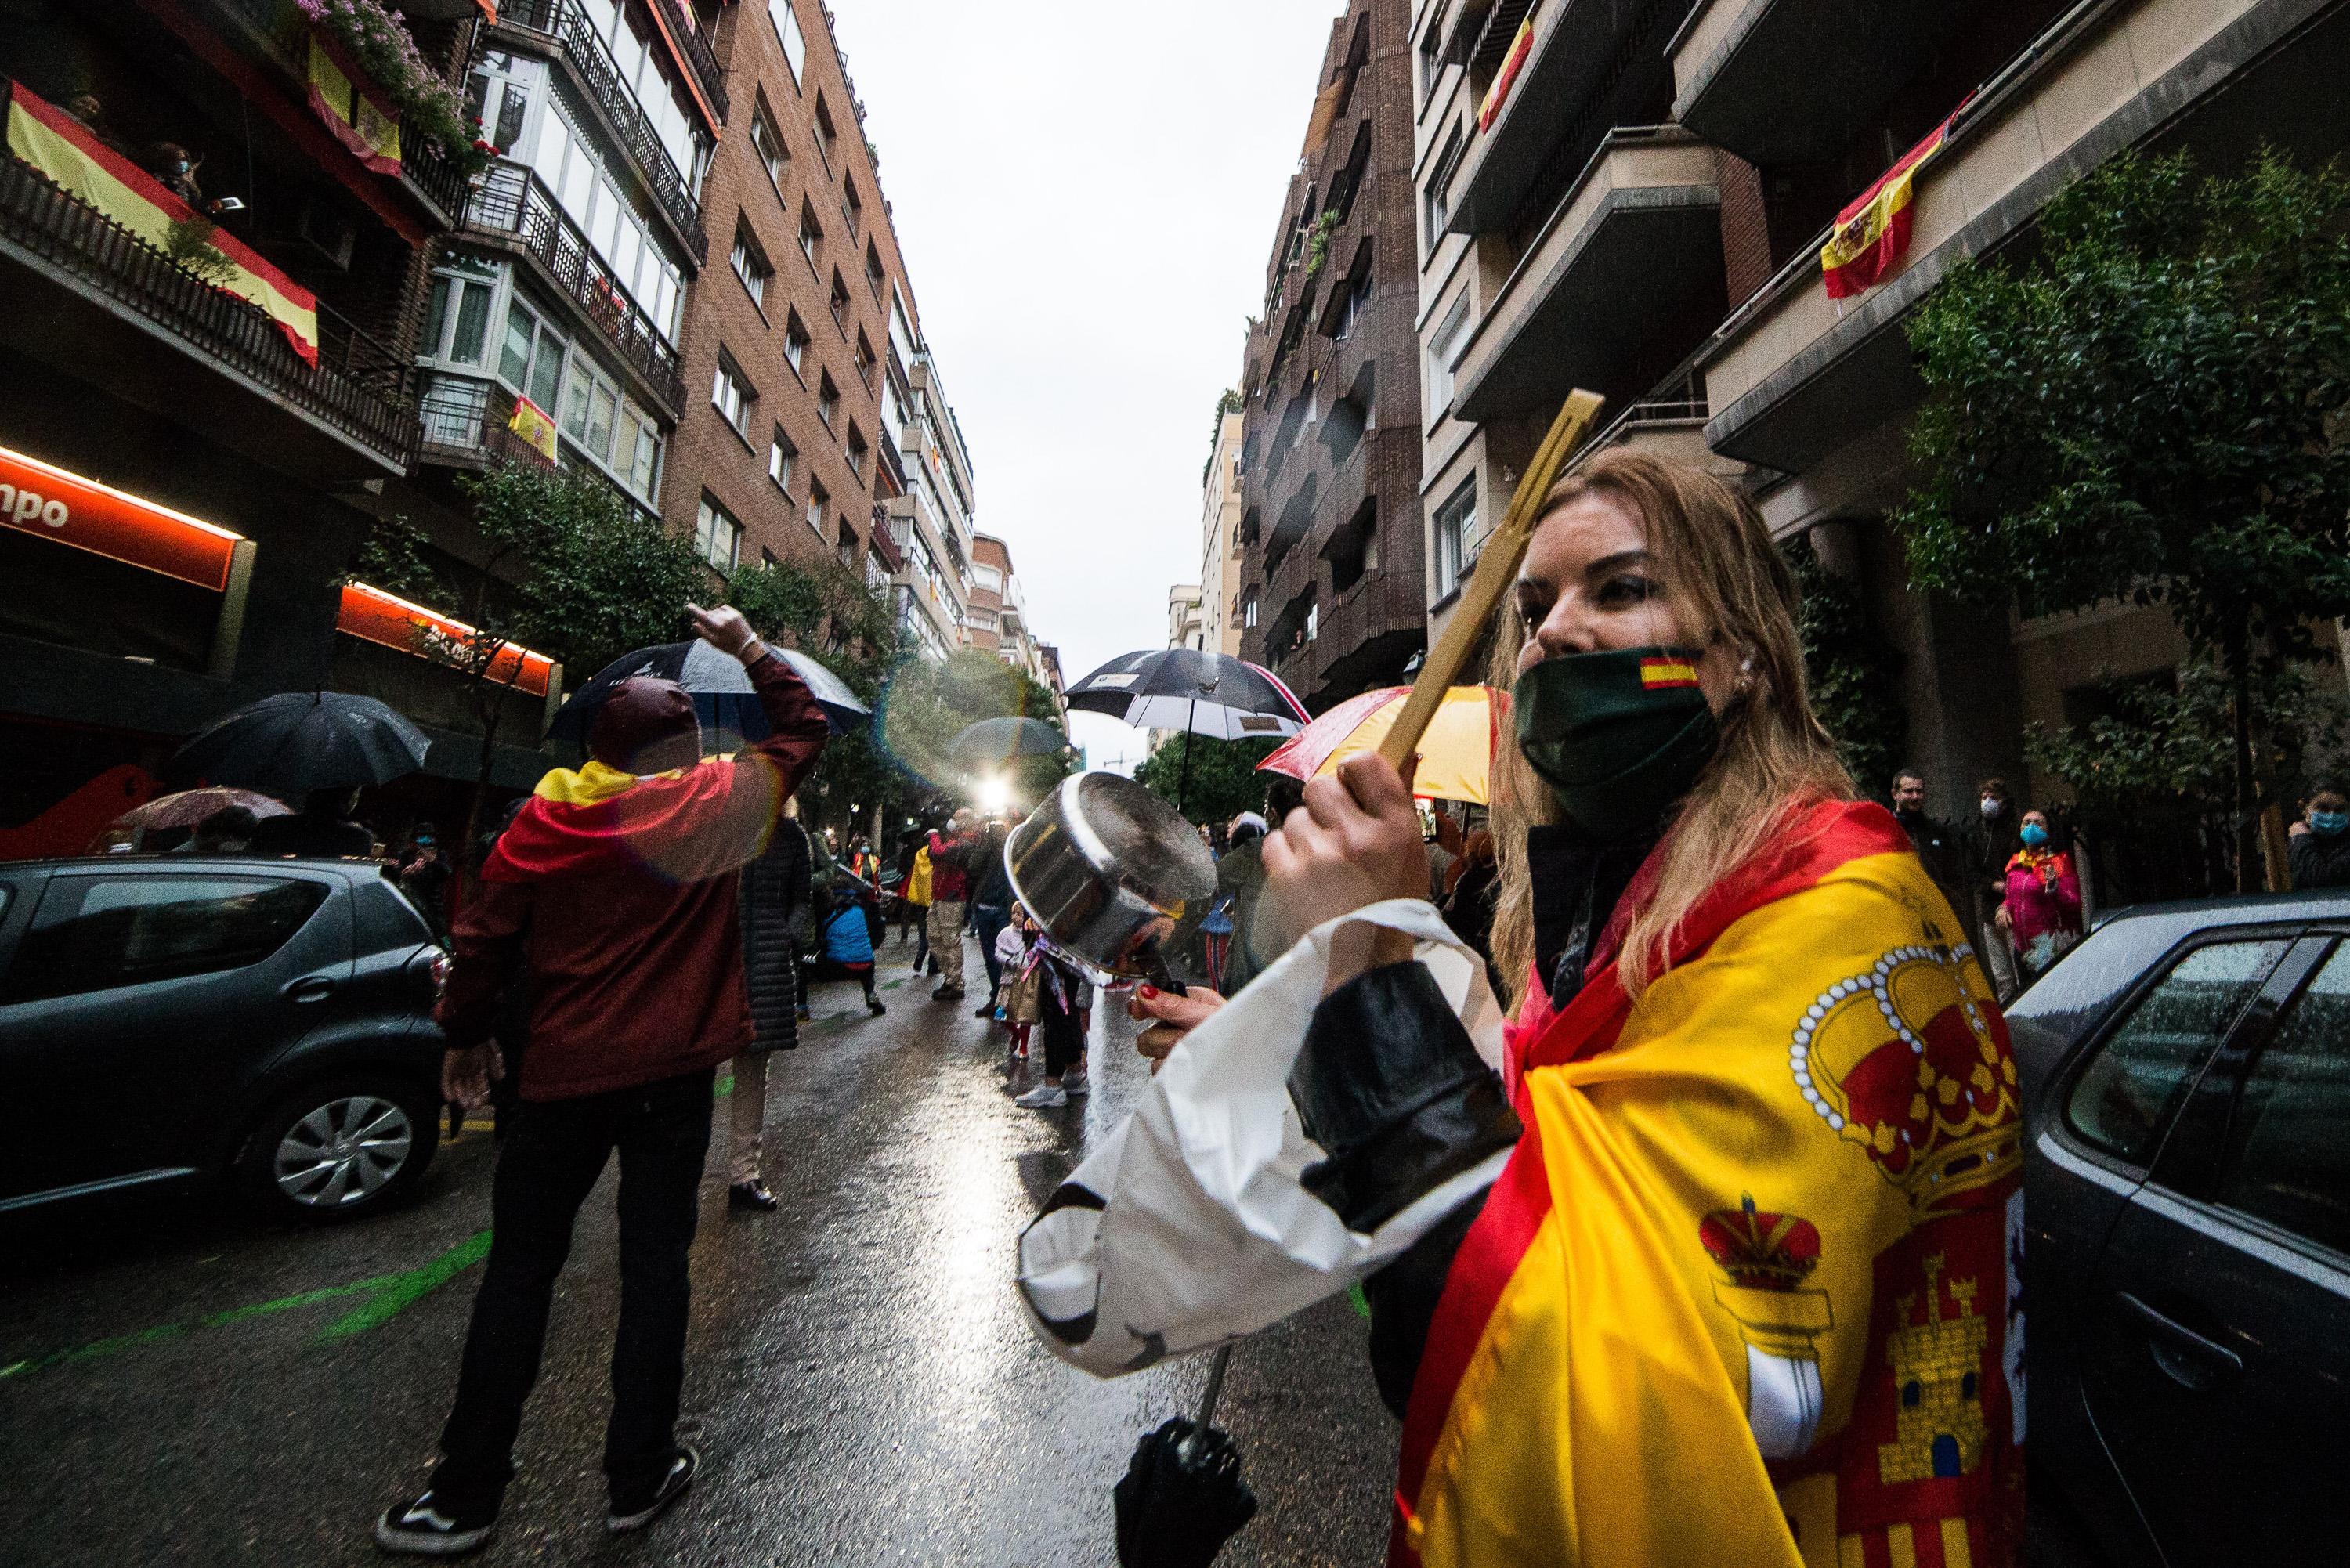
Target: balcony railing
[(513, 204), (358, 386), (466, 422), (564, 22)]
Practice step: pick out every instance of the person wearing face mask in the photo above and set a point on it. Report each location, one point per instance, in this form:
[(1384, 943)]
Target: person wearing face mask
[(1988, 846), (2043, 909), (1657, 1290), (2321, 857)]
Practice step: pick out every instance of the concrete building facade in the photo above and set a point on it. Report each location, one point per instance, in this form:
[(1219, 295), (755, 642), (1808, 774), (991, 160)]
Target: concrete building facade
[(1220, 555), (1185, 626), (1641, 212), (1329, 591)]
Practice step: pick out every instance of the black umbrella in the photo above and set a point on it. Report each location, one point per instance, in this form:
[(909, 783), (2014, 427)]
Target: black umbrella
[(297, 742), (994, 742), (1210, 694), (1182, 1496), (723, 697)]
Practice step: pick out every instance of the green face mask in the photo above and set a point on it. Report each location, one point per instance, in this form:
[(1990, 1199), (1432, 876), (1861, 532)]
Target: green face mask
[(1619, 736)]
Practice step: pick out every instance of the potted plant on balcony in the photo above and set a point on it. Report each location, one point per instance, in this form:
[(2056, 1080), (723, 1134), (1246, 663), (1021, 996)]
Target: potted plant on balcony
[(376, 43)]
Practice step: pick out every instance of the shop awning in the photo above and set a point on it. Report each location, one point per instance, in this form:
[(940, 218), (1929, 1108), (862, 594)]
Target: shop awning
[(43, 499), (386, 619)]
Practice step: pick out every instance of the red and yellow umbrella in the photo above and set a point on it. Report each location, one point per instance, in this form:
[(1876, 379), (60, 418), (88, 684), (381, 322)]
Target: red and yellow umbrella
[(1455, 756)]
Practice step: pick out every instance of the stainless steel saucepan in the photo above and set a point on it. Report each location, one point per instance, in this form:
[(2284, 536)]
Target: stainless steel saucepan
[(1108, 869)]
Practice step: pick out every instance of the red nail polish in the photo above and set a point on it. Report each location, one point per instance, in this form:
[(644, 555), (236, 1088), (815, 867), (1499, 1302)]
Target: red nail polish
[(1150, 991)]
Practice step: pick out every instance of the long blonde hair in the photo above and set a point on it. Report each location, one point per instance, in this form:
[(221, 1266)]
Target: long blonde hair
[(1734, 591)]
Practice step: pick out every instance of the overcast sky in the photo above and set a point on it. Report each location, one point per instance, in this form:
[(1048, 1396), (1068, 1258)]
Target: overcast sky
[(1085, 192)]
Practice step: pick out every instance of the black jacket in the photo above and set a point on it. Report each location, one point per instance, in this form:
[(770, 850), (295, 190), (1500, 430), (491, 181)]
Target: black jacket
[(2319, 861), (774, 910)]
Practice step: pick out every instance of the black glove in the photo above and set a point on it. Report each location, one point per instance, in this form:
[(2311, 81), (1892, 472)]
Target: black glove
[(1176, 1509)]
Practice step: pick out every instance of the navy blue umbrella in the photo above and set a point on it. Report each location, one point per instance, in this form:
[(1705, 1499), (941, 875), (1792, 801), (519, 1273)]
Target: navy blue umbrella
[(723, 697)]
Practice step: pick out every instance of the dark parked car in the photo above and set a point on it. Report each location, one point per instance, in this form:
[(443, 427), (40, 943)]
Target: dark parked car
[(168, 1017), (2186, 1080)]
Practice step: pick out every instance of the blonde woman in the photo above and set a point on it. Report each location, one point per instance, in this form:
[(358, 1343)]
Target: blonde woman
[(1734, 1279)]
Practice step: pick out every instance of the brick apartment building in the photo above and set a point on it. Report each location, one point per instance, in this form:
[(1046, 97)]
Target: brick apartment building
[(797, 357), (1331, 551), (1642, 210), (183, 456)]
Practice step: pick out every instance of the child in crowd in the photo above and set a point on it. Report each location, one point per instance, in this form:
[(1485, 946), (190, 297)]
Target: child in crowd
[(1016, 999), (1065, 1007), (848, 944)]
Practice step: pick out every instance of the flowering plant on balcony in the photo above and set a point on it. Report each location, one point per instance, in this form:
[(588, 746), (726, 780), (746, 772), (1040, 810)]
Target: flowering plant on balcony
[(379, 43)]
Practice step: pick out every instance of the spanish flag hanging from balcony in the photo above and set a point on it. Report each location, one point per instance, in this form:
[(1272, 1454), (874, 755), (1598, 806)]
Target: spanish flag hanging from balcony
[(62, 149), (531, 423), (1507, 77), (1872, 234), (339, 96)]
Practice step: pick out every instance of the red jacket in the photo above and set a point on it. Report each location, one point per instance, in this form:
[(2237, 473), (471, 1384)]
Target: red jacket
[(950, 869), (619, 898)]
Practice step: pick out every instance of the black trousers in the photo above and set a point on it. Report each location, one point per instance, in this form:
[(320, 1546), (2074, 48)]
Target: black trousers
[(549, 1160)]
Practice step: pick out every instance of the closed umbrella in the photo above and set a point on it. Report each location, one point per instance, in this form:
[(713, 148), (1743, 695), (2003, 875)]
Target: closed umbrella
[(1456, 752), (297, 742), (723, 697)]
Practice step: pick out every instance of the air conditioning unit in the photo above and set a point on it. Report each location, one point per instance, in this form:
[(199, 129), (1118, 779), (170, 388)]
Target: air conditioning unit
[(329, 233)]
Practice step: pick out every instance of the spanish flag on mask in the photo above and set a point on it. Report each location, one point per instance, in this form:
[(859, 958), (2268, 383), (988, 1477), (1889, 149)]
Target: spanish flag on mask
[(1872, 233)]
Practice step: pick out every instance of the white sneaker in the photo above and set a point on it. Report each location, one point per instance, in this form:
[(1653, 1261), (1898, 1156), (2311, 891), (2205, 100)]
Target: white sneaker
[(1043, 1096)]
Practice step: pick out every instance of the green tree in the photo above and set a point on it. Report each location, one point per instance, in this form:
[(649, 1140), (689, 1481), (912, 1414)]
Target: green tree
[(2152, 409), (1852, 673), (930, 702), (825, 609), (1206, 779), (568, 568)]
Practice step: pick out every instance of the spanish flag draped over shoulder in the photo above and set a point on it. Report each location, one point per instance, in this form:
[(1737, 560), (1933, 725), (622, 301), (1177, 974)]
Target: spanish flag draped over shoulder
[(1744, 1294), (62, 149), (1872, 233)]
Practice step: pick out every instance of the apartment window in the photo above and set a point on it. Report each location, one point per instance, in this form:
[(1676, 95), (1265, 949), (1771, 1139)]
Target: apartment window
[(530, 360), (1313, 622), (874, 277), (1456, 527), (795, 344), (818, 506), (751, 264), (768, 143), (787, 29), (826, 138), (716, 535), (1359, 300), (1248, 612), (1429, 63), (851, 207), (635, 450), (457, 318), (1437, 205), (828, 402), (839, 303), (731, 395), (986, 577), (811, 236), (864, 359), (857, 450), (1441, 348), (781, 456)]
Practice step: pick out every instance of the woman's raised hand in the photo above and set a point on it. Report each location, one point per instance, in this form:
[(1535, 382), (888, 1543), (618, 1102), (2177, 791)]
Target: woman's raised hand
[(1172, 1017), (1355, 841)]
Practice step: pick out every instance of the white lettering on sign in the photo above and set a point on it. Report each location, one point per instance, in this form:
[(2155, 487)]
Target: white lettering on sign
[(22, 506)]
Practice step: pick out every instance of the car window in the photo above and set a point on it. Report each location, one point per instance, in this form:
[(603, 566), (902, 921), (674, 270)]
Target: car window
[(385, 918), (2288, 1157), (2126, 1093), (93, 934)]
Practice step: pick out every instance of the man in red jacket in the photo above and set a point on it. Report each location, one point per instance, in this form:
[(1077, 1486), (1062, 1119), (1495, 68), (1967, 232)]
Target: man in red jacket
[(614, 890)]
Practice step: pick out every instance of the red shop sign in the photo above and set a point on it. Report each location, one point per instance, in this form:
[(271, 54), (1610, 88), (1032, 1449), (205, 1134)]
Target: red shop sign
[(41, 498)]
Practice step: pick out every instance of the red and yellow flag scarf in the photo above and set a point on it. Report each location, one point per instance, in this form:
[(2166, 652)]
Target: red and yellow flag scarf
[(1743, 1295), (681, 826), (1872, 232), (93, 173)]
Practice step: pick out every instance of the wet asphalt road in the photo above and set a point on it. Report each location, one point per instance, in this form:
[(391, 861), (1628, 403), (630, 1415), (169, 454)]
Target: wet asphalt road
[(179, 1383)]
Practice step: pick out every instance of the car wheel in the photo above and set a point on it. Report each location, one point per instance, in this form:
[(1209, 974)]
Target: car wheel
[(340, 1148)]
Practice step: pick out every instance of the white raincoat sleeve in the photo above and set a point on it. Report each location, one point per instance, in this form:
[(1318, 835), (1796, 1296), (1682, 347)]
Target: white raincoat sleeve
[(1188, 1227)]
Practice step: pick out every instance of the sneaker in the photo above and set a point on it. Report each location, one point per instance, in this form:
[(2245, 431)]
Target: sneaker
[(635, 1514), (1074, 1082), (422, 1527), (750, 1194), (873, 1005), (1043, 1097), (947, 993)]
